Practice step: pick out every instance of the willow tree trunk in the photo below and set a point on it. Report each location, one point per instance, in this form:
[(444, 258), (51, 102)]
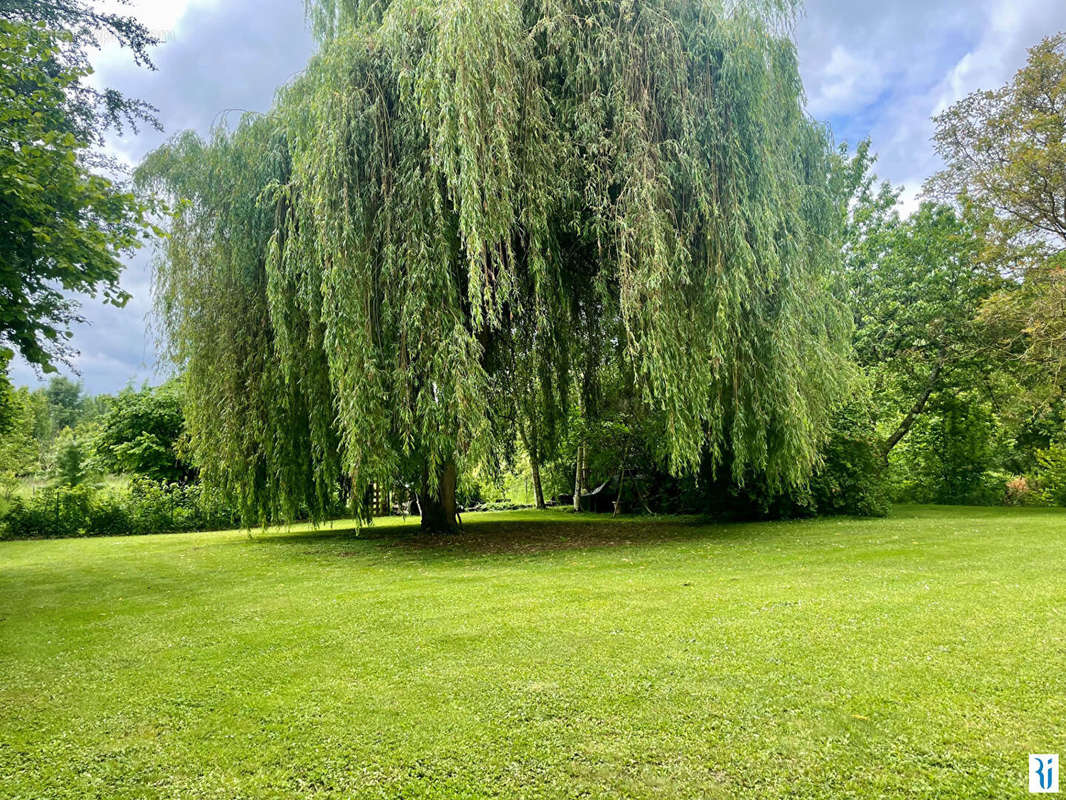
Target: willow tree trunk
[(533, 452), (579, 476), (538, 490), (437, 503)]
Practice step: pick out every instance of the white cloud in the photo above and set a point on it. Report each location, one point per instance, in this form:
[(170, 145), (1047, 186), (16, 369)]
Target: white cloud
[(914, 59), (846, 82), (160, 17), (1013, 27)]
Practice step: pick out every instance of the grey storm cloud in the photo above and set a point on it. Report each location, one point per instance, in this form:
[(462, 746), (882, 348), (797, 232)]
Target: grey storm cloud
[(877, 70), (219, 60)]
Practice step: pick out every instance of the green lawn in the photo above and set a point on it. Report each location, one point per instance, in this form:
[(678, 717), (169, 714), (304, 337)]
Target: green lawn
[(540, 655)]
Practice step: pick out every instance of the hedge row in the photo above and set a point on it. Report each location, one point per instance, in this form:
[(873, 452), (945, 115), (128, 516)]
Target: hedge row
[(146, 507)]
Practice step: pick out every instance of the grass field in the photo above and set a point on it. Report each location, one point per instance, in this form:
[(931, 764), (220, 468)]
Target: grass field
[(540, 655)]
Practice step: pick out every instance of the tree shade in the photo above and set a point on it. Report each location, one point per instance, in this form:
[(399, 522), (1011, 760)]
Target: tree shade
[(455, 193)]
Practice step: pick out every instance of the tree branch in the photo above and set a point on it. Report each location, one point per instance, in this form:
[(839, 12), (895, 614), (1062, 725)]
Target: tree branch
[(919, 406)]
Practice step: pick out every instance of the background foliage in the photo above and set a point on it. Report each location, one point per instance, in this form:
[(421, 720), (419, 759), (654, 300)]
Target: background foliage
[(501, 252)]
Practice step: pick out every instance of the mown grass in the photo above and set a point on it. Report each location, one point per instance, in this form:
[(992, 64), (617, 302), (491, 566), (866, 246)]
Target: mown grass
[(539, 655)]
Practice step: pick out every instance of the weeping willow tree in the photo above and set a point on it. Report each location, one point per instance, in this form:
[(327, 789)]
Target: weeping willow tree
[(454, 193)]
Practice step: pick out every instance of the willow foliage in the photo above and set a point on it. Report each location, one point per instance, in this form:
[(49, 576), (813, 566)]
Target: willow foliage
[(262, 433), (451, 186)]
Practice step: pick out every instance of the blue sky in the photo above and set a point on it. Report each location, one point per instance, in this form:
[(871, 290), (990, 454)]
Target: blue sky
[(876, 69)]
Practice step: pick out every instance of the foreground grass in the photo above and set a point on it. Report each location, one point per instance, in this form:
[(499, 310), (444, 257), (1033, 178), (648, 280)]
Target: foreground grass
[(539, 656)]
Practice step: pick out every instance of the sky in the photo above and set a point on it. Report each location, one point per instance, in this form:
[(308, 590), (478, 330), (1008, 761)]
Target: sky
[(871, 69)]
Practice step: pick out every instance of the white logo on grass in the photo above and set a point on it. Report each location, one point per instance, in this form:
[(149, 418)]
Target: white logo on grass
[(1044, 773)]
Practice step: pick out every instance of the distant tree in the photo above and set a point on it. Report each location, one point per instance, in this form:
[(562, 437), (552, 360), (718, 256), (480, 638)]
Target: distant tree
[(915, 287), (1005, 154), (7, 395), (1005, 149), (19, 447), (951, 452), (65, 402), (142, 434), (852, 476), (70, 458)]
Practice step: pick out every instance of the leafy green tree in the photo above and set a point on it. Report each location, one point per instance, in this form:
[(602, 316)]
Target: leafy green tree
[(7, 395), (64, 227), (943, 399), (952, 453), (342, 273), (142, 434), (915, 287), (1005, 150), (1051, 473), (70, 458), (65, 402), (81, 25), (1033, 421), (19, 448), (851, 478), (1005, 154)]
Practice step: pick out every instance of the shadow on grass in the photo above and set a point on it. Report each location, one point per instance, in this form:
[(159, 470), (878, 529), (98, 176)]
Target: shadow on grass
[(526, 533)]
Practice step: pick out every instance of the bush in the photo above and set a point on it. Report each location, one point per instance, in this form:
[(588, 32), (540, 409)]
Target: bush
[(991, 490), (147, 507), (950, 457), (142, 433), (60, 511), (70, 458), (1051, 473), (852, 479), (1023, 491)]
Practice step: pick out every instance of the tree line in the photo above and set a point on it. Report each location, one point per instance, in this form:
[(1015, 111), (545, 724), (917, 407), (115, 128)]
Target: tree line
[(603, 244), (60, 433)]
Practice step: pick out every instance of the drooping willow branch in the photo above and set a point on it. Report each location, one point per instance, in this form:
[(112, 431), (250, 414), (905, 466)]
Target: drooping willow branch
[(447, 179)]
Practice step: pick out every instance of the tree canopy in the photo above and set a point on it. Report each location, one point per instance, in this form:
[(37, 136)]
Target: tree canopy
[(62, 226), (141, 433), (80, 25), (449, 187), (1005, 154), (915, 287), (1004, 149)]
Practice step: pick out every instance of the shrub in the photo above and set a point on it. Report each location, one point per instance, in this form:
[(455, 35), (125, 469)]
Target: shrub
[(1023, 491), (163, 507), (852, 479), (949, 457), (59, 511), (1051, 472), (141, 434), (146, 507), (70, 458), (990, 490)]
